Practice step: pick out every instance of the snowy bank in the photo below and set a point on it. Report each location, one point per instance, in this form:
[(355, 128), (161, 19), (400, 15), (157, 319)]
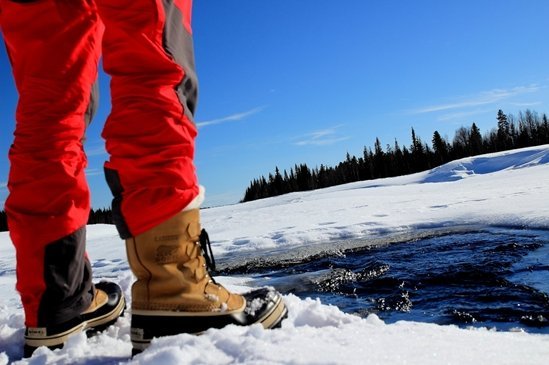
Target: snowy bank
[(504, 189)]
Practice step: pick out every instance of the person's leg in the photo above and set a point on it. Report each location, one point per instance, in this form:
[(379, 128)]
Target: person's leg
[(150, 132), (150, 135), (54, 48)]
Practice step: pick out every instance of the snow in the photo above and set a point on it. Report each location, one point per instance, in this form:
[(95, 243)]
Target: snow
[(503, 189), (507, 189)]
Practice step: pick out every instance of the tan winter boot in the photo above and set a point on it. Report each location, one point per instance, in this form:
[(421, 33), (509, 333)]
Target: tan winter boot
[(107, 305), (174, 292)]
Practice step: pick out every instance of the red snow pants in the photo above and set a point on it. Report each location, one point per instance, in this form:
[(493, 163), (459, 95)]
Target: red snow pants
[(54, 48)]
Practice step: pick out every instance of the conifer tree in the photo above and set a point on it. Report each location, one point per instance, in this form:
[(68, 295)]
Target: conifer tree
[(475, 141), (503, 131), (440, 147)]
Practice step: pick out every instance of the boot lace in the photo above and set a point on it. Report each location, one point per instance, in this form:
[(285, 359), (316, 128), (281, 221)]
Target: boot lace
[(206, 247)]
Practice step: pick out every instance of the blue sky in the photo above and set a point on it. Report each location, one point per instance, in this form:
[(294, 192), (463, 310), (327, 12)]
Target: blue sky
[(306, 81)]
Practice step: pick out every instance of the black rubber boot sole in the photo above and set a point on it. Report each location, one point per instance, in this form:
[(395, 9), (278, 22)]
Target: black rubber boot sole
[(54, 337), (264, 306)]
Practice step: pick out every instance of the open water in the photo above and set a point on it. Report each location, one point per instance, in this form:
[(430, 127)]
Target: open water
[(490, 277)]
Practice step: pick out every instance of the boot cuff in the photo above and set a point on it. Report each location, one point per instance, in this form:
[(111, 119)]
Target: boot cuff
[(198, 200)]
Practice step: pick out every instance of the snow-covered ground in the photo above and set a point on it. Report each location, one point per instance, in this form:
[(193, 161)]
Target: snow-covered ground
[(507, 189)]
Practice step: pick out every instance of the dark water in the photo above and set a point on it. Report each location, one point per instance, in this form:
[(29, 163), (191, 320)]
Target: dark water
[(493, 277)]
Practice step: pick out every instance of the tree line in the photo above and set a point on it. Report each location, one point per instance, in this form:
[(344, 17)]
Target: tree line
[(99, 216), (526, 129)]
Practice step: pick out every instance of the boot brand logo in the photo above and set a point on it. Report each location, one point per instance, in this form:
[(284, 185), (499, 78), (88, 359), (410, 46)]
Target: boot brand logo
[(172, 237), (137, 334), (37, 332), (166, 254)]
